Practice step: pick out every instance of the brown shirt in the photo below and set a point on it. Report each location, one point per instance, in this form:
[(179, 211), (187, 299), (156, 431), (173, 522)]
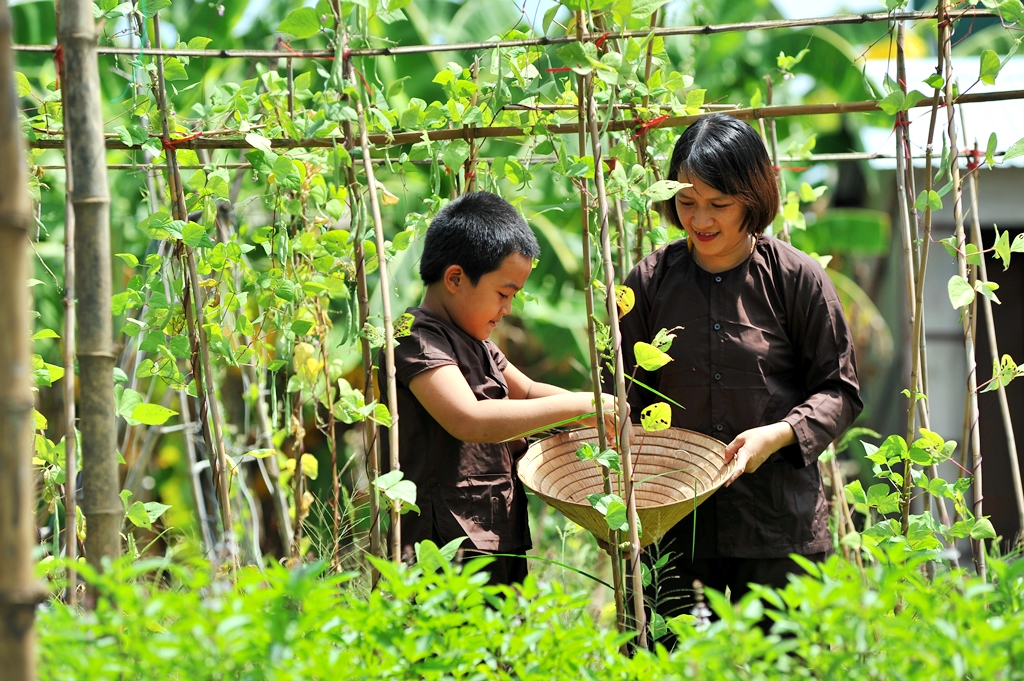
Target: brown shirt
[(463, 489), (763, 342)]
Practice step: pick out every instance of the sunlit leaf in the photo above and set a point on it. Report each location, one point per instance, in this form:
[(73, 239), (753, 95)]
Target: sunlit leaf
[(152, 414), (655, 417), (960, 292), (624, 299), (648, 357), (302, 23)]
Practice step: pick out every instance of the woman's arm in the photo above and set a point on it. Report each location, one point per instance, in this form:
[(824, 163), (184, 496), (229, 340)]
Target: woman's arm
[(447, 397), (751, 448)]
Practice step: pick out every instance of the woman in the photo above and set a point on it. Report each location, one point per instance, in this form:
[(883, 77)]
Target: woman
[(763, 361)]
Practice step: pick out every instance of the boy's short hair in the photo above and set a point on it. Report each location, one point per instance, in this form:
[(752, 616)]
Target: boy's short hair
[(476, 231), (726, 154)]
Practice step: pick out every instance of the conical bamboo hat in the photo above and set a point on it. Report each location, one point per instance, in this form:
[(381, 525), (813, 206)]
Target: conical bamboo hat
[(674, 471)]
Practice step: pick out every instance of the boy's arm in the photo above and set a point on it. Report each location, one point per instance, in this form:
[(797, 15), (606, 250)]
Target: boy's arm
[(522, 387), (447, 397)]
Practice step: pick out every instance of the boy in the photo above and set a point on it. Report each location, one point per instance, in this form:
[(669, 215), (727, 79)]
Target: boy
[(461, 404)]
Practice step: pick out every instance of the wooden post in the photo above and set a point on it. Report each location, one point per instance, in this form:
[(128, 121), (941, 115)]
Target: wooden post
[(83, 122)]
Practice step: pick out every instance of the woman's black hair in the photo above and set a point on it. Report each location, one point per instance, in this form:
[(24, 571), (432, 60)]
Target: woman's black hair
[(726, 154), (476, 231)]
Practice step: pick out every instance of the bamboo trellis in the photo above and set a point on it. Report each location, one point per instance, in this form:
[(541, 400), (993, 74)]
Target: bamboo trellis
[(587, 124)]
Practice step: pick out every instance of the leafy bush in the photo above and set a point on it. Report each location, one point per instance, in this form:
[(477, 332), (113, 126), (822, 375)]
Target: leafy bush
[(158, 621)]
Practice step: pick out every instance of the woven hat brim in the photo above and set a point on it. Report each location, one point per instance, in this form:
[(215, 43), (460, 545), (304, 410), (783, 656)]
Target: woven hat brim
[(674, 472)]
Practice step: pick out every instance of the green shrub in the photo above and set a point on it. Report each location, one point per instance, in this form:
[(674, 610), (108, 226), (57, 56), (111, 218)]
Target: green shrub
[(154, 620)]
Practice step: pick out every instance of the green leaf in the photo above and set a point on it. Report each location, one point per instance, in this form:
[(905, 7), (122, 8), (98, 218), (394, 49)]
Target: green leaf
[(609, 458), (990, 67), (892, 103), (935, 81), (174, 70), (194, 235), (648, 357), (300, 327), (663, 190), (855, 493), (152, 414), (128, 259), (139, 516), (928, 199), (960, 292), (1015, 150), (310, 466), (657, 416), (22, 86), (455, 154), (1012, 11), (199, 42), (301, 23), (260, 142), (981, 529), (580, 57), (616, 516), (645, 8), (149, 8), (587, 452), (45, 333)]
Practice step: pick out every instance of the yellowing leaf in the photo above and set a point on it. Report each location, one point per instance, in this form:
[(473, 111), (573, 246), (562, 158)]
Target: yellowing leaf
[(403, 325), (625, 299), (302, 353), (310, 466), (386, 197), (657, 416)]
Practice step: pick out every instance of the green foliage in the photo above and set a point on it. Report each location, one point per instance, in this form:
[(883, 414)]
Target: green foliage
[(885, 622)]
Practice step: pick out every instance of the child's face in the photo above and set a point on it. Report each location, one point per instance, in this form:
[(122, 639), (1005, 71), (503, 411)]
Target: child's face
[(478, 309)]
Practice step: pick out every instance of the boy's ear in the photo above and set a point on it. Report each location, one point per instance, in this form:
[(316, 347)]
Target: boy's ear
[(453, 277)]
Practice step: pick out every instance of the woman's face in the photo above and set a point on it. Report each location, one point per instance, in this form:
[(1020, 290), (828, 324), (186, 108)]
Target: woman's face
[(714, 224)]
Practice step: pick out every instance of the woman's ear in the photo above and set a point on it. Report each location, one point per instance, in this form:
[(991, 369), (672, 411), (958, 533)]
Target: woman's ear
[(452, 278)]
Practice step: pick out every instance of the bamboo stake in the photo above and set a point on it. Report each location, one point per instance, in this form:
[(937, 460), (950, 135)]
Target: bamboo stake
[(533, 160), (620, 382), (707, 29), (772, 142), (70, 438), (18, 593), (595, 359), (961, 241), (91, 200), (371, 444), (993, 347), (389, 332), (209, 410), (627, 124)]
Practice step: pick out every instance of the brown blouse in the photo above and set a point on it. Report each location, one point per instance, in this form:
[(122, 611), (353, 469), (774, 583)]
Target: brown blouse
[(763, 342), (462, 488)]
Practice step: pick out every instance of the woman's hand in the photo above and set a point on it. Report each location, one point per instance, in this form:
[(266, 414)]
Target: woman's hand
[(751, 448)]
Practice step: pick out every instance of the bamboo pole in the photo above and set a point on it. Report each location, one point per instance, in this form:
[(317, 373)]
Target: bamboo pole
[(389, 332), (993, 347), (614, 550), (973, 416), (18, 593), (209, 411), (533, 160), (70, 439), (625, 124), (639, 614), (90, 197), (706, 29)]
